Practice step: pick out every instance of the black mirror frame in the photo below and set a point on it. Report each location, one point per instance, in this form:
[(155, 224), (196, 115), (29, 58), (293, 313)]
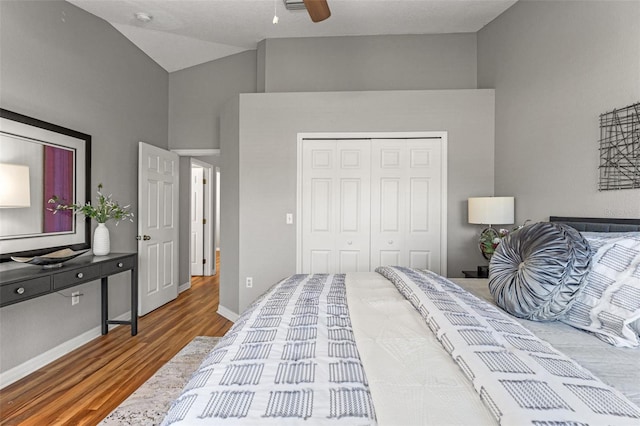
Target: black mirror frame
[(10, 115)]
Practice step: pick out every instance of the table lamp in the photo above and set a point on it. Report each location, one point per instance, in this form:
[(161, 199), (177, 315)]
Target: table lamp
[(490, 211)]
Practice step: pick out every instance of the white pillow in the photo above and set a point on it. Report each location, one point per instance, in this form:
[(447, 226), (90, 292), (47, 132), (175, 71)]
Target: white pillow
[(609, 303), (597, 239)]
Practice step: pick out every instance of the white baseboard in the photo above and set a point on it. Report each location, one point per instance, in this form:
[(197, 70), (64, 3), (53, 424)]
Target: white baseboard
[(28, 367), (184, 287), (228, 313)]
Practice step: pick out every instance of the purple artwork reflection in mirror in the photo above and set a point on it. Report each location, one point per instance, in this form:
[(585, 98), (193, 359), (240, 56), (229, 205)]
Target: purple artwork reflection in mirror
[(58, 180)]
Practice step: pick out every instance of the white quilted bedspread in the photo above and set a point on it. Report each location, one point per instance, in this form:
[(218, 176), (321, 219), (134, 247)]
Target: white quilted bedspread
[(412, 380)]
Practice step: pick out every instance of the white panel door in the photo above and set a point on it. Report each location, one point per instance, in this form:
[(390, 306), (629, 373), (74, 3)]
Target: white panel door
[(196, 240), (335, 206), (157, 227), (406, 196)]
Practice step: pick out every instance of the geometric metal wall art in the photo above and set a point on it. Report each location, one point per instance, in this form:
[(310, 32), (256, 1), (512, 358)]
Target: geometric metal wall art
[(620, 148)]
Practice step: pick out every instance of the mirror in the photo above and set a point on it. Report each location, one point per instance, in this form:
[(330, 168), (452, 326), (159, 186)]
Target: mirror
[(37, 161)]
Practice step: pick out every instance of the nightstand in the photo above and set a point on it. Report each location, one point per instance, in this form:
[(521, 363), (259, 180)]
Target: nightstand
[(474, 274)]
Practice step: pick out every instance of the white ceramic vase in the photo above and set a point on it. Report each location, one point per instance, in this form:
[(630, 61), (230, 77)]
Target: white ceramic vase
[(101, 243)]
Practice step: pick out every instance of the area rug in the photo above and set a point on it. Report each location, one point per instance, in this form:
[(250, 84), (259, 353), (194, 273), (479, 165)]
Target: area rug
[(150, 402)]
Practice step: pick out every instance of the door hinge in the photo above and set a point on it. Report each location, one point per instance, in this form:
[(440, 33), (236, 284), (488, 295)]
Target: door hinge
[(204, 261), (204, 181), (204, 221)]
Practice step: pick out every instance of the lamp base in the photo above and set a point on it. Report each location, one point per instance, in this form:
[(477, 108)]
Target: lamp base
[(485, 244)]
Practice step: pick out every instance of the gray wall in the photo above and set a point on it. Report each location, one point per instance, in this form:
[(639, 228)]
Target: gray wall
[(198, 94), (62, 65), (261, 54), (268, 128), (555, 67), (230, 204), (404, 62)]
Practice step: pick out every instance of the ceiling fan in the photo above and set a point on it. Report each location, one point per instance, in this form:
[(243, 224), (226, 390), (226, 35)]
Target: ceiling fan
[(318, 9)]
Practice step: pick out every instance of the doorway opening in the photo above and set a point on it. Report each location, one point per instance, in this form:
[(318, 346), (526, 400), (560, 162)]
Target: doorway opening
[(203, 219)]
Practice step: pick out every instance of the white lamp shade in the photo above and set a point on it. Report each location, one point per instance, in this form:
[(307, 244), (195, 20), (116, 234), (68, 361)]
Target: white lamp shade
[(491, 210), (14, 186)]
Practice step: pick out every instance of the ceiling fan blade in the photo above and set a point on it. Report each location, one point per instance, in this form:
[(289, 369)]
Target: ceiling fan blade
[(318, 9)]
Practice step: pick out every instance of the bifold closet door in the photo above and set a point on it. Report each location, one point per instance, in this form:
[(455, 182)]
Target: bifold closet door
[(406, 196), (336, 206)]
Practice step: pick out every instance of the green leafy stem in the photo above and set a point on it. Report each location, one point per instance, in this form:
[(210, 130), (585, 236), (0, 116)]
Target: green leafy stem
[(105, 209)]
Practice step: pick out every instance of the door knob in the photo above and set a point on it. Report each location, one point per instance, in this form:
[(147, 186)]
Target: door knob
[(144, 237), (390, 242), (349, 242)]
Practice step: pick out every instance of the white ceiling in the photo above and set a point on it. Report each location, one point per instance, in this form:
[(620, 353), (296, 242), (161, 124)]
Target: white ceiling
[(184, 33)]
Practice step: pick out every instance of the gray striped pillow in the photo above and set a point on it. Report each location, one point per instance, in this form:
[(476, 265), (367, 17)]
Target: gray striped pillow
[(609, 305)]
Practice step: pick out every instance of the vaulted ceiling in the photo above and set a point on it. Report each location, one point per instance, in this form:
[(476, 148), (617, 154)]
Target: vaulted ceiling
[(184, 33)]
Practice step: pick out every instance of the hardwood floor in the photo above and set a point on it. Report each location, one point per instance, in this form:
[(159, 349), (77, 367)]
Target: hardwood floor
[(84, 386)]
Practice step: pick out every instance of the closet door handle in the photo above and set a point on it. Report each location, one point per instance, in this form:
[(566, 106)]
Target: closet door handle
[(390, 242)]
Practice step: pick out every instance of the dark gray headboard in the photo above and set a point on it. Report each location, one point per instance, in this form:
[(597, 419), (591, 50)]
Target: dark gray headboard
[(599, 224)]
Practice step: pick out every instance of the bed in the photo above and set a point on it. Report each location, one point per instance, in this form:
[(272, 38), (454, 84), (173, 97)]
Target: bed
[(407, 347)]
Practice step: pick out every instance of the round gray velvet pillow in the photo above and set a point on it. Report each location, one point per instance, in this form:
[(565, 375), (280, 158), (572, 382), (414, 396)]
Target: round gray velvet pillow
[(536, 272)]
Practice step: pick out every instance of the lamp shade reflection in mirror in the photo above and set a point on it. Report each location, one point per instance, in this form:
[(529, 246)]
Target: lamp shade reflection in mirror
[(14, 187), (31, 172)]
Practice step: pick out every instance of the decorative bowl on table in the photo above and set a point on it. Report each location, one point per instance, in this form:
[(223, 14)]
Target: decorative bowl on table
[(50, 260)]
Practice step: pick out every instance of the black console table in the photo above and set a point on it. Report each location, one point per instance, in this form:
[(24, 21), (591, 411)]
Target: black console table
[(19, 282)]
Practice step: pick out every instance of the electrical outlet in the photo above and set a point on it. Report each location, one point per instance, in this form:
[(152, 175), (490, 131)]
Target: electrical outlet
[(249, 282), (75, 298)]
